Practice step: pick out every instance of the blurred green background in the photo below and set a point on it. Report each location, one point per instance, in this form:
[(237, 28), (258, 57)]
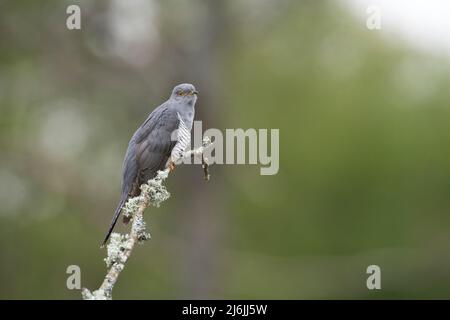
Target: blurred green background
[(364, 173)]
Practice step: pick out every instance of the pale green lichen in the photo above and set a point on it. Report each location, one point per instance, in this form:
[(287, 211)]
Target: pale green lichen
[(96, 295), (116, 249), (139, 228), (154, 190), (131, 206)]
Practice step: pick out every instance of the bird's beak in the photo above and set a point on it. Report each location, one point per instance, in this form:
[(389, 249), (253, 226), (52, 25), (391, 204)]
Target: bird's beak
[(195, 92)]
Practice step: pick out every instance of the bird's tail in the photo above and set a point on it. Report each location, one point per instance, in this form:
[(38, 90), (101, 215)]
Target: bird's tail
[(122, 201)]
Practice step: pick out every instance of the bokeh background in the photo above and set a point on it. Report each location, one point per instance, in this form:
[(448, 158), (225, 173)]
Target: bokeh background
[(364, 119)]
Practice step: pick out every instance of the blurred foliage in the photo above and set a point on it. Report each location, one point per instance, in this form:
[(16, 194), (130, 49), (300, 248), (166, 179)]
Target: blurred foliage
[(364, 172)]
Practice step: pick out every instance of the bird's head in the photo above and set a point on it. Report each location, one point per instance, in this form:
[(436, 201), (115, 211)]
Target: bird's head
[(184, 92)]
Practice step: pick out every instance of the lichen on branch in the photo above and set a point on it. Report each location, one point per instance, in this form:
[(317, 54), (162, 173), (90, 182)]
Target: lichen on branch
[(120, 246)]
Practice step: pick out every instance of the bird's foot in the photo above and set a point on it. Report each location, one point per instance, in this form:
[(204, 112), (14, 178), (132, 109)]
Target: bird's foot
[(171, 166)]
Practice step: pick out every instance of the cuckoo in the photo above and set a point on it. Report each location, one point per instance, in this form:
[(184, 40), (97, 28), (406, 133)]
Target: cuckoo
[(160, 140)]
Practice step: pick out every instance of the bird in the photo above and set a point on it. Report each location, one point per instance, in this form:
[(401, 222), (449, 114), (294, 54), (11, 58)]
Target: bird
[(161, 139)]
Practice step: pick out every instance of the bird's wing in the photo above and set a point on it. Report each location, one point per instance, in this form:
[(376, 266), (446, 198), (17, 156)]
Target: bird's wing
[(130, 168), (154, 148)]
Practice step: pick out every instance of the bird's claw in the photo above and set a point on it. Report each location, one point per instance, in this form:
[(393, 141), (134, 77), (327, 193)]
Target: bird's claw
[(171, 166)]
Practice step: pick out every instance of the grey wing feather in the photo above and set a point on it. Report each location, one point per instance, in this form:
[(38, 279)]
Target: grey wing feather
[(130, 166), (153, 152)]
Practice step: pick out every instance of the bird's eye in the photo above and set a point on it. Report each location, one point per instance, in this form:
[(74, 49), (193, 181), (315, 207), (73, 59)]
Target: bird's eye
[(181, 93)]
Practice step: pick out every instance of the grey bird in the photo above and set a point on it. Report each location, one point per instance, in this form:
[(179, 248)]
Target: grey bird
[(163, 136)]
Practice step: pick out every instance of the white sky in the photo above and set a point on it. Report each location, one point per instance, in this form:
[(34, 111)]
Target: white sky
[(424, 24)]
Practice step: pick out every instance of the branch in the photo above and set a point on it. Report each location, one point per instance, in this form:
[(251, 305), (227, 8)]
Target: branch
[(120, 246)]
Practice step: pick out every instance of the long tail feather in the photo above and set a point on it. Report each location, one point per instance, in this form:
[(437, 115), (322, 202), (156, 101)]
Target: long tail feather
[(122, 201)]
